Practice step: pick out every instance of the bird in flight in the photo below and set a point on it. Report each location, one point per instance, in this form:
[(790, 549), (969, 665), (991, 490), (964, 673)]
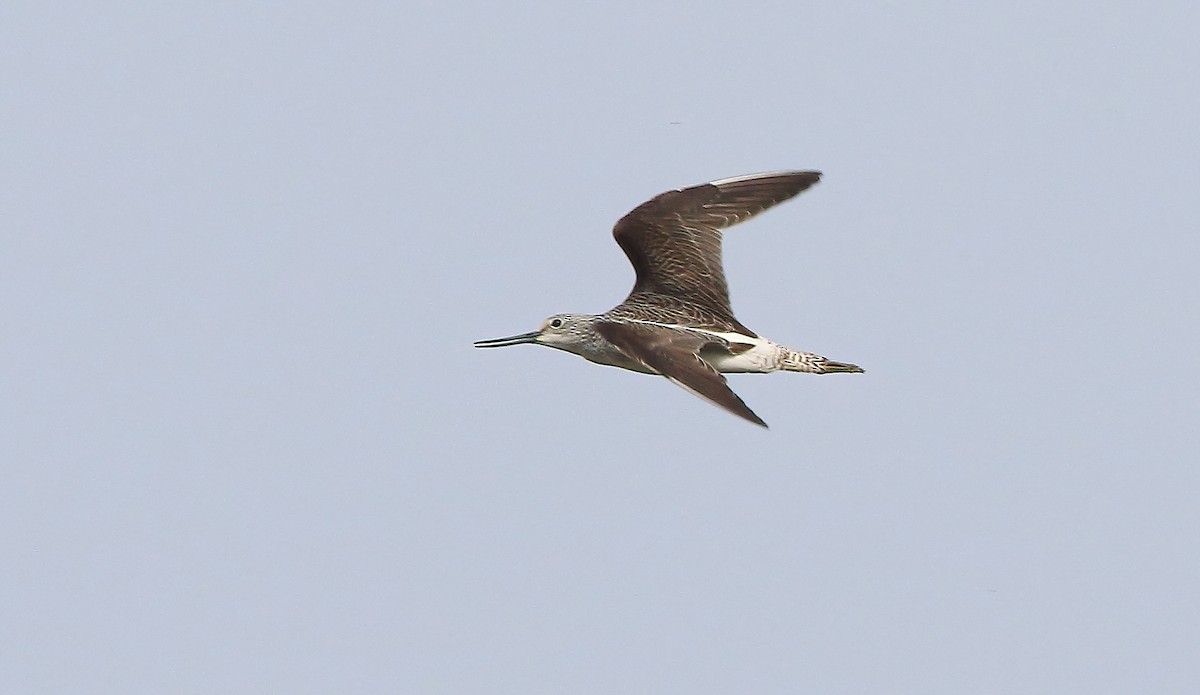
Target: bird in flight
[(677, 322)]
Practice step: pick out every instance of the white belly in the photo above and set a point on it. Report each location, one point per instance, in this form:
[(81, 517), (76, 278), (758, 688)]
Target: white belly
[(765, 356), (760, 359)]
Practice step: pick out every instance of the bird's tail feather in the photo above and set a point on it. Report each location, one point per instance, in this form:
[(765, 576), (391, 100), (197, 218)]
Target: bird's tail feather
[(812, 363)]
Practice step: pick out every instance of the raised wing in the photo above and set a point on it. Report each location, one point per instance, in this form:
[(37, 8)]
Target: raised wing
[(675, 355), (674, 239)]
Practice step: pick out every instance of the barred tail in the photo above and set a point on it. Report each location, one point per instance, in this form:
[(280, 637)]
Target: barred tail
[(811, 363)]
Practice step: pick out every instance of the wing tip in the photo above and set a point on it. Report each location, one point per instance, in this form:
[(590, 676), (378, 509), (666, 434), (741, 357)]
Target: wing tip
[(813, 175), (749, 415)]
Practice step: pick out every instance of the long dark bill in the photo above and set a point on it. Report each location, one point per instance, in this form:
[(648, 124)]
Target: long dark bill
[(505, 342)]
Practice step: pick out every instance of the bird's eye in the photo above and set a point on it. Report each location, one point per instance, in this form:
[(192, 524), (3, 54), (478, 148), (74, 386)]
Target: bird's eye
[(556, 323)]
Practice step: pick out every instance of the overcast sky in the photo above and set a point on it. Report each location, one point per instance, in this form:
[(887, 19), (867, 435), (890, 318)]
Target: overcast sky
[(248, 447)]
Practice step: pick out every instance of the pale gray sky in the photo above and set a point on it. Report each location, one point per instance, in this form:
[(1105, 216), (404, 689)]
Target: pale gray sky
[(248, 447)]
